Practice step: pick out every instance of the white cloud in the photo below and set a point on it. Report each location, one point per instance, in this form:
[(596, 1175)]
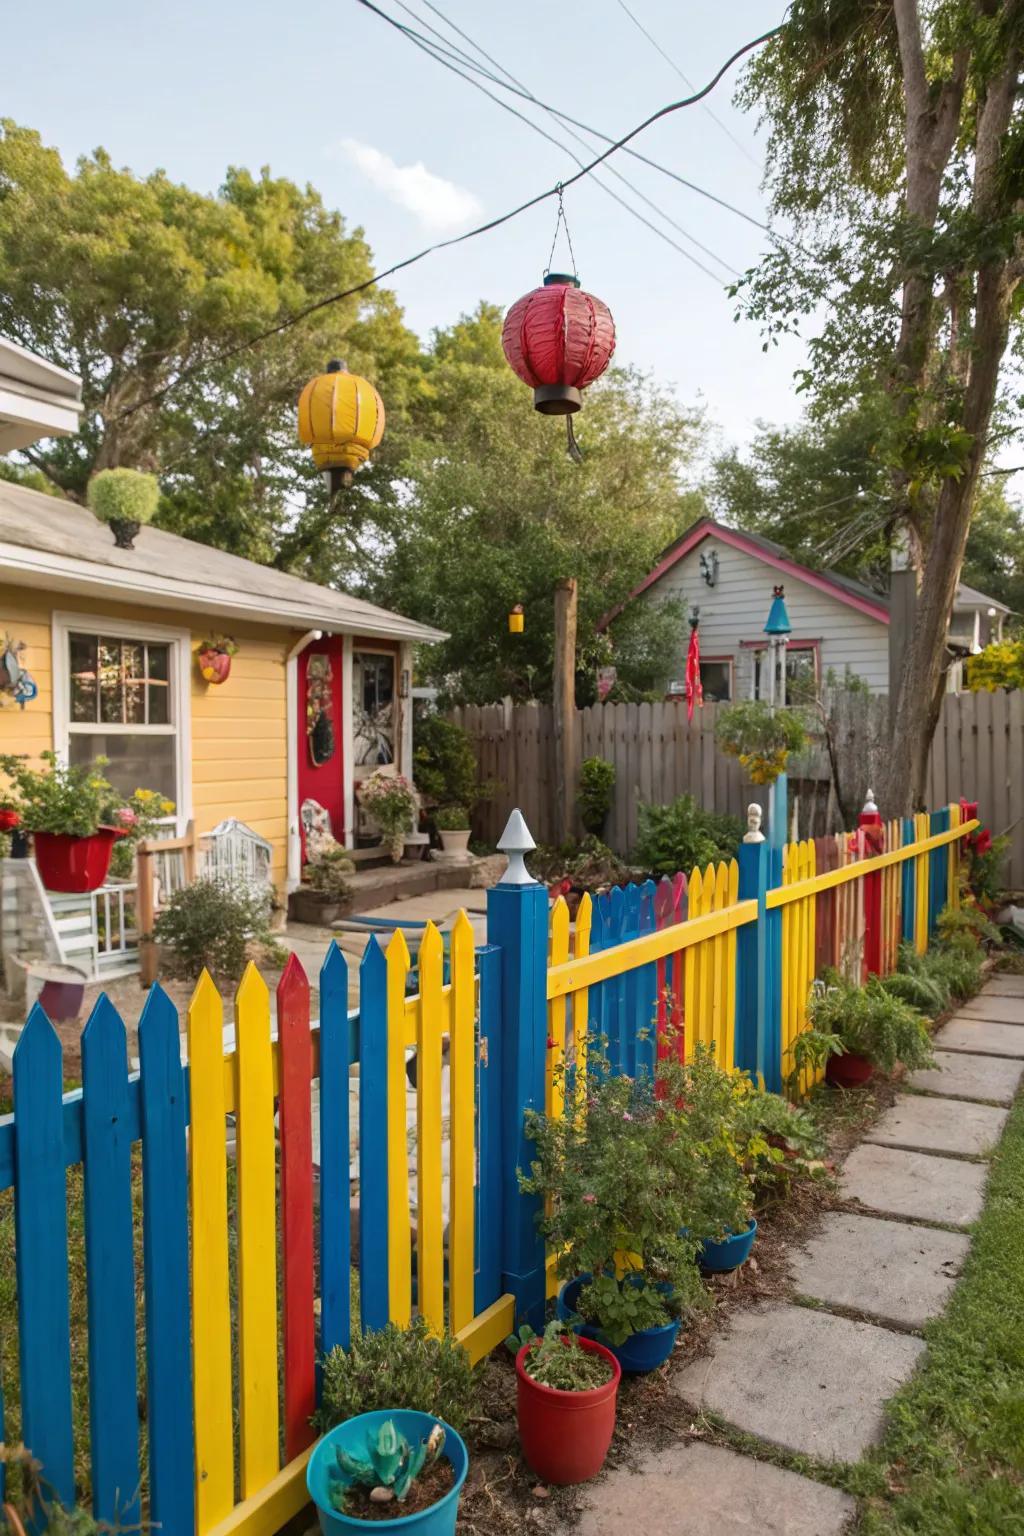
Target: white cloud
[(437, 203)]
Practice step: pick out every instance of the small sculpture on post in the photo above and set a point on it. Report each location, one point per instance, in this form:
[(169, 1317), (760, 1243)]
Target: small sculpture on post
[(754, 816), (517, 843)]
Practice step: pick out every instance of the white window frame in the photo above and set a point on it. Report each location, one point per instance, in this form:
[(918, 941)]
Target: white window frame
[(179, 642)]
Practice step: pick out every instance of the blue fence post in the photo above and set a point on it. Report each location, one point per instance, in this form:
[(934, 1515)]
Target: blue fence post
[(752, 859), (938, 869), (490, 1102), (908, 888), (517, 922)]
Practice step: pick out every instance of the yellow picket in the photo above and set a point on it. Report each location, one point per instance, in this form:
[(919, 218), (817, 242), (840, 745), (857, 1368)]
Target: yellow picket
[(719, 990), (953, 876), (257, 1236), (922, 828), (462, 1070), (732, 896), (211, 1304), (695, 895), (399, 1234), (705, 977), (559, 954), (430, 1215), (580, 1000)]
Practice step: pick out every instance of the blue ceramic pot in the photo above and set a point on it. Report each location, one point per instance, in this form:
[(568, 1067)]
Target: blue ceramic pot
[(732, 1251), (642, 1352), (438, 1520)]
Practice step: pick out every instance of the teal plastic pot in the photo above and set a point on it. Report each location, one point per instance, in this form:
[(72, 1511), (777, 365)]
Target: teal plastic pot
[(322, 1470), (642, 1352), (729, 1252)]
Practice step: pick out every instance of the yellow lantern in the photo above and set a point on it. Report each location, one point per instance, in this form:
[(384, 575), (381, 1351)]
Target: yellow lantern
[(341, 417), (515, 620)]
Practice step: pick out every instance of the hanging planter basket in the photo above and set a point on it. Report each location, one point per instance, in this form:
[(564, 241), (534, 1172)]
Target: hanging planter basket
[(214, 659)]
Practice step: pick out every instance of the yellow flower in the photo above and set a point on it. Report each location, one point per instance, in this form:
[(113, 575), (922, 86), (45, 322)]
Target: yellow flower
[(167, 806), (145, 795)]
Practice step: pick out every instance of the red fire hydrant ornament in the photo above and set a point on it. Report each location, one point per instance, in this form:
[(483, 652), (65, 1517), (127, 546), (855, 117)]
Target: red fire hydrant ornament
[(558, 339)]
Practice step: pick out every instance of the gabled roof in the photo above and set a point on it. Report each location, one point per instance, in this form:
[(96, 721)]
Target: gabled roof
[(37, 399), (844, 588), (55, 544)]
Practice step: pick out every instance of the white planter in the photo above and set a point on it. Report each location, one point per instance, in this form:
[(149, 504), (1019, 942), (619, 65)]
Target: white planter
[(455, 847)]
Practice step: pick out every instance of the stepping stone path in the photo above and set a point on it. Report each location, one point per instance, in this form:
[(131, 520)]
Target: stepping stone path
[(814, 1378)]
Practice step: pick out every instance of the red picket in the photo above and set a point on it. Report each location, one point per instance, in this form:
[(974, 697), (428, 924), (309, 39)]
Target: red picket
[(296, 1071)]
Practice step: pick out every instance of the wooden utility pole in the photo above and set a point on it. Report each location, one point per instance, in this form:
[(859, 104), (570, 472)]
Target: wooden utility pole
[(564, 700)]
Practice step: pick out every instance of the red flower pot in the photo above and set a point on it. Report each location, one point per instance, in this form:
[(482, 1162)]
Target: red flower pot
[(9, 820), (214, 666), (67, 863), (848, 1070), (565, 1435)]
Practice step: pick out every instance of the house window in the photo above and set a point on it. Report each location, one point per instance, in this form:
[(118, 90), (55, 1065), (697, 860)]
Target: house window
[(716, 679), (121, 692), (373, 708), (801, 673)]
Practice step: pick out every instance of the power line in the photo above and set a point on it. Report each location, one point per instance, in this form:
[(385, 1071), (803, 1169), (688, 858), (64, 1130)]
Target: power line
[(443, 57), (686, 81), (517, 88), (439, 245)]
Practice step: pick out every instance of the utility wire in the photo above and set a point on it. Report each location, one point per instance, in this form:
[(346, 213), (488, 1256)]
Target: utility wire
[(445, 58), (439, 245), (517, 88), (687, 82)]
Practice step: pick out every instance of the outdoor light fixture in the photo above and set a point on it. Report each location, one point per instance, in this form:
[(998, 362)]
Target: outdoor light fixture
[(341, 417), (516, 620)]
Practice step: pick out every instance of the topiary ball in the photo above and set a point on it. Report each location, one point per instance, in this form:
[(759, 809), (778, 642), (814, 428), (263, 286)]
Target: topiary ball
[(123, 495)]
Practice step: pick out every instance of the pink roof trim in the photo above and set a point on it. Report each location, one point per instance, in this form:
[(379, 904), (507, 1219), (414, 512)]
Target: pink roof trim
[(707, 528)]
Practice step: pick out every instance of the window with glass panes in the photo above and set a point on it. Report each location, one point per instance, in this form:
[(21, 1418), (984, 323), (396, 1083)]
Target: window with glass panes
[(373, 708), (121, 708)]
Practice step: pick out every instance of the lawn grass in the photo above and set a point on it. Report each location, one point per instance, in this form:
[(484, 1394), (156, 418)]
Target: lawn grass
[(953, 1454)]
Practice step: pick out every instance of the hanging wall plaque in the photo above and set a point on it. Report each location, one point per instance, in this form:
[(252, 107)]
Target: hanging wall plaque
[(320, 710)]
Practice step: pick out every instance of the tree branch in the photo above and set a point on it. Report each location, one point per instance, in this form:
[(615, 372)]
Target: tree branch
[(46, 468)]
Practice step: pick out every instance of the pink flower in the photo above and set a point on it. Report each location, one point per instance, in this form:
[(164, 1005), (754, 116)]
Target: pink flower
[(589, 1199), (626, 1115), (126, 816)]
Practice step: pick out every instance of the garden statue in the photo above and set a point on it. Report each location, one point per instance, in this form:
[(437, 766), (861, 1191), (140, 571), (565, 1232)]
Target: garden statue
[(317, 832), (753, 833)]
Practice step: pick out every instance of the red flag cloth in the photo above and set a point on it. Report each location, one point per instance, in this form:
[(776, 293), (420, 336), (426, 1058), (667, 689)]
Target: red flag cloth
[(694, 691)]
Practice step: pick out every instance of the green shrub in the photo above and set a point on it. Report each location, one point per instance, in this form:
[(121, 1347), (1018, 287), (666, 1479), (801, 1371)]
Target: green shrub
[(967, 926), (761, 737), (588, 864), (597, 789), (398, 1368), (444, 763), (210, 925), (683, 836), (868, 1021), (329, 874), (58, 798), (451, 818), (920, 991), (957, 969), (123, 495)]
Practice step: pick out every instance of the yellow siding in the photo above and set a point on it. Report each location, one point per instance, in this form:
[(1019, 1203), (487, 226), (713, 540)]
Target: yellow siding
[(239, 729)]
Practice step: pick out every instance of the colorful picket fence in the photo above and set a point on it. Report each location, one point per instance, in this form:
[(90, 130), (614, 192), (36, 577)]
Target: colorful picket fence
[(243, 1255)]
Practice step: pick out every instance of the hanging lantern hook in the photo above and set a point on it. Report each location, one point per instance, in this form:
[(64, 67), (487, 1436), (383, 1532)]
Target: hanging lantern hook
[(561, 222)]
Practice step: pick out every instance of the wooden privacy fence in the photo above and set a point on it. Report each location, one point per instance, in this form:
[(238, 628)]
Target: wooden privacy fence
[(977, 753), (233, 1272)]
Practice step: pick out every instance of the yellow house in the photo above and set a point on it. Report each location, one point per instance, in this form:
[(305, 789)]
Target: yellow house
[(318, 694)]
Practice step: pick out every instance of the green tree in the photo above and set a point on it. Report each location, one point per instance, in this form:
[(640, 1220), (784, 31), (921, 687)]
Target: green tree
[(483, 509), (895, 150), (132, 282)]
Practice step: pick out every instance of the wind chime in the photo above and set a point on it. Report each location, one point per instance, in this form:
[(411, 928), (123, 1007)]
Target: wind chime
[(558, 339)]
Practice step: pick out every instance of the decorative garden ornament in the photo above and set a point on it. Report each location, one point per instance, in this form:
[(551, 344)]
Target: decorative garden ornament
[(214, 659), (17, 685), (516, 842), (516, 620), (341, 417), (753, 833)]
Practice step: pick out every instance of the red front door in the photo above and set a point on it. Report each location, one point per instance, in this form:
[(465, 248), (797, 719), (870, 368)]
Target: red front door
[(320, 744)]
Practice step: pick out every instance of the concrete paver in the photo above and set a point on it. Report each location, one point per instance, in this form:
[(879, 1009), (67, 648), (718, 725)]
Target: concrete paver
[(961, 1076), (803, 1379), (910, 1184), (939, 1125), (708, 1490), (891, 1270), (973, 1035), (1003, 984), (994, 1008)]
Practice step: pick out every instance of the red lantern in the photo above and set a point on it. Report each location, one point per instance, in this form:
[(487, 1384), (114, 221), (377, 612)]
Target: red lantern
[(558, 340)]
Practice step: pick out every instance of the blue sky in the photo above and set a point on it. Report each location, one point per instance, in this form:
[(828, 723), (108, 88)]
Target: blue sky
[(327, 93)]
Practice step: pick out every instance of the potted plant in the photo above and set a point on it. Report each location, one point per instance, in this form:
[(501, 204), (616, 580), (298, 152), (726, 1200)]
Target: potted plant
[(327, 889), (761, 736), (596, 792), (452, 822), (566, 1391), (727, 1146), (622, 1185), (392, 1464), (392, 802), (124, 499), (67, 810), (140, 816), (853, 1030), (214, 658)]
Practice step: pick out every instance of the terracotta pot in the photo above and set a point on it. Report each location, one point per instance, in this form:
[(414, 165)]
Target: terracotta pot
[(565, 1435), (848, 1070), (214, 666), (67, 863)]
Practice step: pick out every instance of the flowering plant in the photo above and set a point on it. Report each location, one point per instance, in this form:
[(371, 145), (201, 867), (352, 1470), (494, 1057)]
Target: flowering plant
[(139, 817), (75, 801), (392, 802), (761, 737)]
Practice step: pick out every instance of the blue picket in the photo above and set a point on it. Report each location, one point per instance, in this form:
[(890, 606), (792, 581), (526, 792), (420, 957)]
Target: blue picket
[(615, 1005), (647, 990), (487, 1280), (631, 987), (909, 886), (938, 869), (165, 1240), (373, 1138), (110, 1268), (335, 1236), (41, 1240)]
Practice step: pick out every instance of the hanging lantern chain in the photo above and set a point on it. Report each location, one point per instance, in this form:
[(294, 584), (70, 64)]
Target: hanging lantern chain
[(561, 222)]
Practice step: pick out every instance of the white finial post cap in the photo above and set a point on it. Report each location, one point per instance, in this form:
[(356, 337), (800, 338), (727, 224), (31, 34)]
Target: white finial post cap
[(517, 843), (754, 817), (870, 808)]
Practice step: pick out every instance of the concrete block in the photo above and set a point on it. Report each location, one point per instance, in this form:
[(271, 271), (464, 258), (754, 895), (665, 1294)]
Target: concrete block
[(939, 1125), (973, 1035), (891, 1270), (960, 1076), (914, 1184), (994, 1008)]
